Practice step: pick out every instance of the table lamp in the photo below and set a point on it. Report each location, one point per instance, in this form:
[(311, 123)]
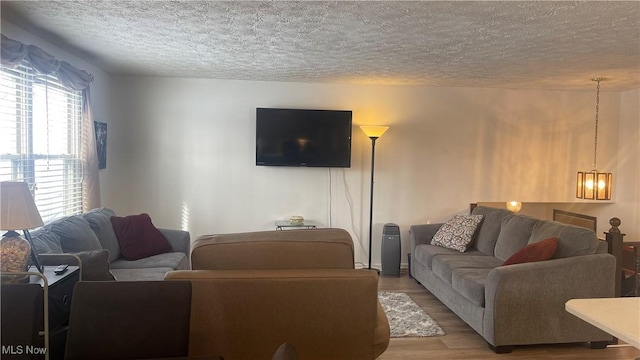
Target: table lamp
[(18, 211)]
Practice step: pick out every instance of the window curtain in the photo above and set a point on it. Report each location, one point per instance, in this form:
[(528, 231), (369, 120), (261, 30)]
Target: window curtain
[(13, 52)]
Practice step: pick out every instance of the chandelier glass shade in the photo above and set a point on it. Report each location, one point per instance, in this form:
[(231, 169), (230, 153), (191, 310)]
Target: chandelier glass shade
[(594, 185)]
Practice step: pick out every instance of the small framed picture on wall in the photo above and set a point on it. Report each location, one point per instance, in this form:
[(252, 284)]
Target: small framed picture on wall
[(101, 143)]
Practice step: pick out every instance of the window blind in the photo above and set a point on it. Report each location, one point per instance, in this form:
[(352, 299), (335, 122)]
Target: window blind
[(40, 132)]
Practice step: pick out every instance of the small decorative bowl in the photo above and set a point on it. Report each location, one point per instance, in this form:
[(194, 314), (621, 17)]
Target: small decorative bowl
[(296, 219)]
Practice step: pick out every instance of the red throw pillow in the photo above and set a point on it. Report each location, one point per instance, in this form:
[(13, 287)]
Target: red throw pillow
[(138, 237), (538, 251)]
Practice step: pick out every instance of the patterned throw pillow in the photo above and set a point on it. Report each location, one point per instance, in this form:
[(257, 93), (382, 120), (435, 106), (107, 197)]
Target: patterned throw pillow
[(457, 233)]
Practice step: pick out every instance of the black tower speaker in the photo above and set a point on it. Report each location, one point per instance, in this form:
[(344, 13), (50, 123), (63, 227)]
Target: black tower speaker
[(391, 250)]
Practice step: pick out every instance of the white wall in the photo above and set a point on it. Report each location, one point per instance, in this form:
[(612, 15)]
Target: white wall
[(628, 199), (184, 151)]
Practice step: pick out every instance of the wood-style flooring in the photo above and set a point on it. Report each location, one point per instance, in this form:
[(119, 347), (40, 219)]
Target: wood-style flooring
[(463, 343)]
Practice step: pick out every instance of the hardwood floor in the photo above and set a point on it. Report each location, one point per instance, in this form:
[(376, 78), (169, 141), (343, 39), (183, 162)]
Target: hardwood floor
[(463, 343)]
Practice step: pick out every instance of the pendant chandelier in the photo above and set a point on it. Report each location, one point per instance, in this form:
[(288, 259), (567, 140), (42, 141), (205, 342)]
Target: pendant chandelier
[(594, 185)]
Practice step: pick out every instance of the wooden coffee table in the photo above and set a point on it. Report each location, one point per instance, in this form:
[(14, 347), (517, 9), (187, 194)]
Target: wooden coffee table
[(619, 317)]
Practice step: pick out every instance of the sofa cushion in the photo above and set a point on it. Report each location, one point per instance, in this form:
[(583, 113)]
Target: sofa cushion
[(155, 274), (515, 232), (457, 233), (138, 238), (173, 260), (538, 251), (101, 225), (75, 234), (425, 253), (470, 283), (46, 242), (445, 265), (572, 240), (487, 234)]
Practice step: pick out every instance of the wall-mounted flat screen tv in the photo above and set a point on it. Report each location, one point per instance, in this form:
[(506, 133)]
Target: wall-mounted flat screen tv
[(298, 137)]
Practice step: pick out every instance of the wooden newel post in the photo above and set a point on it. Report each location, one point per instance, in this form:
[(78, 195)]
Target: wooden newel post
[(614, 244)]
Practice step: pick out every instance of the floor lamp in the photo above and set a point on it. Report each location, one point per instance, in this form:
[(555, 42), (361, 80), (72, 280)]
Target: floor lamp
[(373, 132)]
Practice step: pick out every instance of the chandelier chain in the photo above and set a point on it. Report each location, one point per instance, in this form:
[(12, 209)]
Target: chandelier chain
[(595, 141)]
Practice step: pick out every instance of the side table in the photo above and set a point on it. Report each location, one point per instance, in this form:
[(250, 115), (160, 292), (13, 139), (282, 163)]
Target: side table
[(35, 314)]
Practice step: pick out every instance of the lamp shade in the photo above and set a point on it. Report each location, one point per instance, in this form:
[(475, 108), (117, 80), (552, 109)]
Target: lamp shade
[(594, 185), (514, 206), (374, 131), (18, 211)]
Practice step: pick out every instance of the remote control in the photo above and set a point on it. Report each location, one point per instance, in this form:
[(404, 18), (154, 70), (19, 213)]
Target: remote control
[(60, 269)]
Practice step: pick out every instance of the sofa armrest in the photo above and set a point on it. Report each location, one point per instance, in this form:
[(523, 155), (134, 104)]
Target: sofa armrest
[(422, 234), (180, 240), (525, 303)]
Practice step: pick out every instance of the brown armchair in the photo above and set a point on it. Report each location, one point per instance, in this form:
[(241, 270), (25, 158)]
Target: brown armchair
[(253, 291), (246, 314)]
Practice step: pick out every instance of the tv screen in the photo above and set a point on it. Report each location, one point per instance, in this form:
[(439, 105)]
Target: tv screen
[(296, 137)]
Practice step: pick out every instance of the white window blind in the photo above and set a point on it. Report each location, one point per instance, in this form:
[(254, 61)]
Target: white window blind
[(40, 129)]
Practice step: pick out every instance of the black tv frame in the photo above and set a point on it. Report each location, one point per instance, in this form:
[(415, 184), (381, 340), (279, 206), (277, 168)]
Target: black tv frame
[(297, 157)]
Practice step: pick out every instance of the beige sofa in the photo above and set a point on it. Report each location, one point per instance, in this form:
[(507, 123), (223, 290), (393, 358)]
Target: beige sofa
[(255, 291)]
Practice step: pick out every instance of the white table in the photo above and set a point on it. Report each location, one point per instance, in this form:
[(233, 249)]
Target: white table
[(619, 317)]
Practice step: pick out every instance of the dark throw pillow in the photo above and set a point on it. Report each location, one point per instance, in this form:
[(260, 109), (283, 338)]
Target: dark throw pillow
[(538, 251), (95, 265), (138, 238)]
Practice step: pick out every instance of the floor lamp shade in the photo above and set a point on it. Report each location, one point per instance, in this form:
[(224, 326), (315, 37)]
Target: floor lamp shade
[(373, 132)]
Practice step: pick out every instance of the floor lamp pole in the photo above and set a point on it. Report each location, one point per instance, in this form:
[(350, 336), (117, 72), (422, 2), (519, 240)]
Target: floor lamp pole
[(373, 158), (373, 133)]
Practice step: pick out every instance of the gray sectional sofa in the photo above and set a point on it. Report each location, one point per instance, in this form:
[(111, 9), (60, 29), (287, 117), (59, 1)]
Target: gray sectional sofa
[(523, 303), (91, 238)]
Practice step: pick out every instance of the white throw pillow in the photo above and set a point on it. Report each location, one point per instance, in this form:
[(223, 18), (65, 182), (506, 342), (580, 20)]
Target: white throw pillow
[(457, 233)]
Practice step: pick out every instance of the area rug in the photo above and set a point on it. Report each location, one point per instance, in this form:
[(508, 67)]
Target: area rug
[(406, 318)]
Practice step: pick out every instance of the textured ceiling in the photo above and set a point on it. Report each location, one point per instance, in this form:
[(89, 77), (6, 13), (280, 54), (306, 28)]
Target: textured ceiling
[(559, 45)]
